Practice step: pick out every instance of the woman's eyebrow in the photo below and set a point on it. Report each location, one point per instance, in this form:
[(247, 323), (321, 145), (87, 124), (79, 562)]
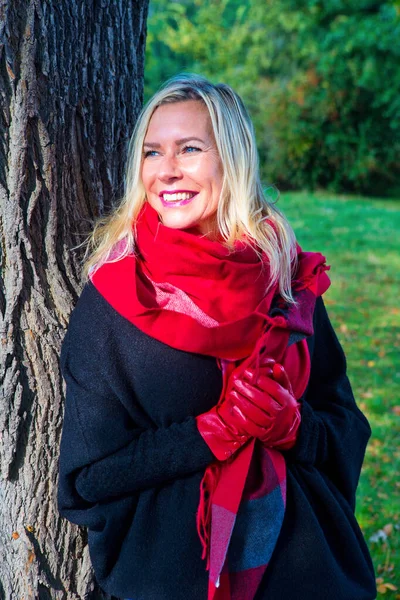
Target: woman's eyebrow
[(177, 142)]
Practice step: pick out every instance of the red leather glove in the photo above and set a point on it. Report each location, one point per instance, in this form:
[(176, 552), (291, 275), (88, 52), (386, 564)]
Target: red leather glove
[(225, 428), (275, 416)]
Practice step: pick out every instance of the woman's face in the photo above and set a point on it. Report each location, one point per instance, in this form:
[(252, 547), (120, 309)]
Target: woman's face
[(181, 170)]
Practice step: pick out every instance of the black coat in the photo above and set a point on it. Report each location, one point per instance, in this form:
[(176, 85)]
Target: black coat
[(131, 462)]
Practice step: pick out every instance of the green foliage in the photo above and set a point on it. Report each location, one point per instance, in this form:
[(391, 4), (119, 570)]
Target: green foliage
[(201, 37), (320, 78), (337, 116)]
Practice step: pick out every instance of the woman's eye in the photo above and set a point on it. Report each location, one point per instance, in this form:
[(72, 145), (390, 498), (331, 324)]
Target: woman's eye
[(185, 149), (190, 149), (150, 153)]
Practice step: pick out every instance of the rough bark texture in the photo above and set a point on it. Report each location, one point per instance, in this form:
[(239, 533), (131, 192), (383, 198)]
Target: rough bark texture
[(71, 75)]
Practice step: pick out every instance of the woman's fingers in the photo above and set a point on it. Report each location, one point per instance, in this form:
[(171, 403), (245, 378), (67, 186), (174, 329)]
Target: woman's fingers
[(266, 361), (269, 368), (270, 378), (249, 417), (280, 375), (259, 414), (251, 374), (257, 397)]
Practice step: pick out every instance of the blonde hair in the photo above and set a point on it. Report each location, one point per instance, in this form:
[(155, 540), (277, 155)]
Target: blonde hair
[(243, 210)]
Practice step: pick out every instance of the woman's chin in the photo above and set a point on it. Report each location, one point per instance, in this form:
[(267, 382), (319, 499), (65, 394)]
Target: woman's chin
[(180, 219), (176, 221)]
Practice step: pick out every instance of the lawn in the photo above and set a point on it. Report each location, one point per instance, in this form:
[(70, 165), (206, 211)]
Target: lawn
[(360, 238)]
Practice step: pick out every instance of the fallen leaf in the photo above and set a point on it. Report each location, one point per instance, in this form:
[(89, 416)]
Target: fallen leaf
[(15, 535), (376, 442), (388, 528), (382, 589), (382, 495)]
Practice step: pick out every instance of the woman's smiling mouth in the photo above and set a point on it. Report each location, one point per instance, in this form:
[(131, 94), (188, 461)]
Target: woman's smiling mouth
[(176, 198)]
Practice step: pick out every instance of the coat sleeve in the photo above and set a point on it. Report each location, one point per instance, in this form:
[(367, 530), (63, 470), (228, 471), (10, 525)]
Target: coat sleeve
[(334, 432), (104, 453)]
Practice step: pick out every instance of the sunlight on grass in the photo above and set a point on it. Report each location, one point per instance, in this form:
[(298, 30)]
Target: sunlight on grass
[(361, 241)]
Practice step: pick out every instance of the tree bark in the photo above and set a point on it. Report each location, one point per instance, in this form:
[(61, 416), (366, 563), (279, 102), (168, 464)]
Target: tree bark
[(71, 83)]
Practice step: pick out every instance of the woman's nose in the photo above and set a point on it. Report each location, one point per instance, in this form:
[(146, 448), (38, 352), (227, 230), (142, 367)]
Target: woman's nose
[(169, 168)]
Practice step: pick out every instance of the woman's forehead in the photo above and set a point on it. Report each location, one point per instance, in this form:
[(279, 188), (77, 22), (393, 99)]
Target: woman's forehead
[(182, 119)]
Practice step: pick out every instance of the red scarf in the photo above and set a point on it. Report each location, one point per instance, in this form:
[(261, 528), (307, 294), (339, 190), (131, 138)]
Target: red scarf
[(197, 296)]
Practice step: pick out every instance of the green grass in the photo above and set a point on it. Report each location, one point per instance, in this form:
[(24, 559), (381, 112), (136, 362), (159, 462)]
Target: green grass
[(360, 238)]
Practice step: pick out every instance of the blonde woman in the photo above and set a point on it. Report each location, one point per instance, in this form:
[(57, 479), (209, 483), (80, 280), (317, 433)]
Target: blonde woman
[(211, 442)]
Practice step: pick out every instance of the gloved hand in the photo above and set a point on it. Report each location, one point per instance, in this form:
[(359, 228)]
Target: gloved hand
[(275, 416), (257, 404), (225, 428)]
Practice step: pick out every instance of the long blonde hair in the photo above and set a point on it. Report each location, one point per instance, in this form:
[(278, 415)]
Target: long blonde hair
[(243, 210)]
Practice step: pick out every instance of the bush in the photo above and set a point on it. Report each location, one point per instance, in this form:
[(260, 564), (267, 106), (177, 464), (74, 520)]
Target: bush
[(320, 78)]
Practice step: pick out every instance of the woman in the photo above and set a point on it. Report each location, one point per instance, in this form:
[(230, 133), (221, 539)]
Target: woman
[(211, 443)]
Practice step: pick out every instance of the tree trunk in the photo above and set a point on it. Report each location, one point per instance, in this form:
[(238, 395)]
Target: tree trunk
[(71, 81)]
